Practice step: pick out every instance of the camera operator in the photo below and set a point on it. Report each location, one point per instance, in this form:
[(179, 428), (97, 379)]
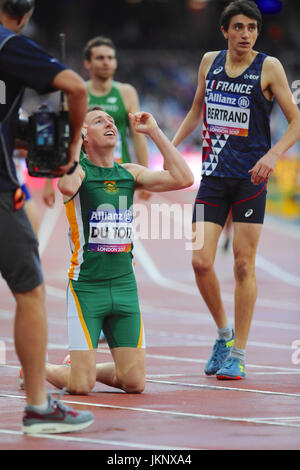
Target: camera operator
[(23, 64)]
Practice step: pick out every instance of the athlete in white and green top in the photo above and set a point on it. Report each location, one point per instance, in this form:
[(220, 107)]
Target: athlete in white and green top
[(118, 99), (100, 217), (102, 288), (113, 104)]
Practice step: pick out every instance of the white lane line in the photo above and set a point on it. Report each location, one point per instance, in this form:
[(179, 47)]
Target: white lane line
[(206, 319), (261, 262), (277, 272), (160, 376), (193, 374), (50, 346), (155, 274), (172, 413), (51, 217), (56, 292), (204, 361), (272, 369), (216, 387), (48, 224), (284, 228), (164, 357), (277, 373), (83, 440), (61, 293), (146, 262), (201, 340), (284, 418)]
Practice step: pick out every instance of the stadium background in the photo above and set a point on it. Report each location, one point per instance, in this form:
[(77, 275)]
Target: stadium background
[(159, 47)]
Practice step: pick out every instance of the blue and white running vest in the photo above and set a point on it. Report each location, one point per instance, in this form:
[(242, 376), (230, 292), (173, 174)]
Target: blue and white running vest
[(236, 123)]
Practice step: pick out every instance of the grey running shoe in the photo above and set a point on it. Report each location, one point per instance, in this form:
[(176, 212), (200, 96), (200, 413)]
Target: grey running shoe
[(57, 418)]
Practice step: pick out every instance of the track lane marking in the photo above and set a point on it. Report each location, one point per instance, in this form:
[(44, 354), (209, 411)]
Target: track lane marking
[(81, 440), (172, 413)]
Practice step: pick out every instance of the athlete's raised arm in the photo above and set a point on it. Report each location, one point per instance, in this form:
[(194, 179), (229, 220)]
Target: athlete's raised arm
[(195, 114), (178, 175), (70, 184), (274, 79), (131, 101)]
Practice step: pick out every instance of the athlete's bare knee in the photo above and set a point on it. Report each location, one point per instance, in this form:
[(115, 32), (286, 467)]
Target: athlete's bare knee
[(201, 265), (79, 390), (242, 269), (83, 386), (134, 386), (133, 381)]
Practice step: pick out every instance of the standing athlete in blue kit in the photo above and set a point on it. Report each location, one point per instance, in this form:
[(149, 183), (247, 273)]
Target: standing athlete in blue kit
[(235, 93), (24, 64)]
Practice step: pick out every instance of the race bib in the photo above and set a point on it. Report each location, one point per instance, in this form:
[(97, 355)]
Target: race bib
[(110, 231), (228, 113)]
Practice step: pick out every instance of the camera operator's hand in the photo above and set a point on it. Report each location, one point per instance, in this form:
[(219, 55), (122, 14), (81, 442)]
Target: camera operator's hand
[(49, 193), (73, 154), (74, 88)]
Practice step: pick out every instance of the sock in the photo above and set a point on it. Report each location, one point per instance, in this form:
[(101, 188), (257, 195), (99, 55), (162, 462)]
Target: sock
[(40, 408), (239, 353), (225, 333)]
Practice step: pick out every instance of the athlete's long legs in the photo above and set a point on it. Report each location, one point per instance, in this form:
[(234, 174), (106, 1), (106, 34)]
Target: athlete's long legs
[(30, 330), (203, 265), (245, 241)]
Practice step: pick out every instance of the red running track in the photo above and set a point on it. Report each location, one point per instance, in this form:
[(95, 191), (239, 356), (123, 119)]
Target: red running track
[(181, 408)]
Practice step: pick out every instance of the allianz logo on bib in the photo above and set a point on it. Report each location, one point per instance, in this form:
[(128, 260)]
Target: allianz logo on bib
[(243, 102)]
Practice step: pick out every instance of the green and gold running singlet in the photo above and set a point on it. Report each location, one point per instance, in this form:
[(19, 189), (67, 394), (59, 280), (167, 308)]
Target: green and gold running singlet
[(101, 221)]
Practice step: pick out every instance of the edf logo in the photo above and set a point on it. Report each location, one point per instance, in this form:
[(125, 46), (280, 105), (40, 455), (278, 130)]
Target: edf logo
[(2, 92)]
